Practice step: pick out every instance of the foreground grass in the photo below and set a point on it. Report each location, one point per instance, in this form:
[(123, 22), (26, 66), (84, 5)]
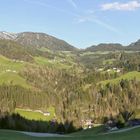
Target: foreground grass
[(88, 135)]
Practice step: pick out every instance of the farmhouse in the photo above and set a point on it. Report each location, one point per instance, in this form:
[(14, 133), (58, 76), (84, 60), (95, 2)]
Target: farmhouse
[(100, 69), (87, 123), (114, 68), (111, 125), (8, 70), (118, 70), (108, 70), (47, 114)]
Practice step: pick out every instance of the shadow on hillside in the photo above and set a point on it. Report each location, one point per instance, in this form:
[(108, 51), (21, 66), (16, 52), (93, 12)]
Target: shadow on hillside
[(16, 122)]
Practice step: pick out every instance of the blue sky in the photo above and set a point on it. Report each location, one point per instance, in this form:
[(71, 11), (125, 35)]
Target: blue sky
[(82, 23)]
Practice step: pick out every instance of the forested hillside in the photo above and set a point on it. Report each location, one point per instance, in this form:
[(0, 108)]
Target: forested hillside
[(78, 85)]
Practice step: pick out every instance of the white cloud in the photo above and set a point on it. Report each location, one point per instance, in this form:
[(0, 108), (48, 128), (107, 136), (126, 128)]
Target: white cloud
[(72, 3), (129, 6)]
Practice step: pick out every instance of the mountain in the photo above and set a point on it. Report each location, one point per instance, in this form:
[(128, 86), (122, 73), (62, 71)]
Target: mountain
[(38, 40), (134, 46), (105, 47), (43, 40)]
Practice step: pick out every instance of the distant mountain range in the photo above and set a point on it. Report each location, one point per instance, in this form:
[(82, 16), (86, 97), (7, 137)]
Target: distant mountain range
[(115, 47), (105, 47), (39, 40)]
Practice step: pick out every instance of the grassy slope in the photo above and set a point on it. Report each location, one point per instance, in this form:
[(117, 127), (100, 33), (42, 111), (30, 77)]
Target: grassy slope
[(9, 72), (14, 79), (6, 64), (31, 115), (129, 135), (53, 63), (128, 76)]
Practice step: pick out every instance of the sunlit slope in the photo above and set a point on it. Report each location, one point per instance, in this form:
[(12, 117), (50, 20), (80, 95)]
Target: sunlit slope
[(10, 65), (9, 72), (127, 76)]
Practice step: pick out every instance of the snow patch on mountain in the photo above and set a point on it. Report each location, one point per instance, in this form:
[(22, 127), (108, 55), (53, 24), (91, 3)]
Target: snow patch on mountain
[(8, 35)]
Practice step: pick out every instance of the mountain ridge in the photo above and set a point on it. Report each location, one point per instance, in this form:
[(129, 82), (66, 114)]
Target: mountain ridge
[(43, 40), (135, 46), (106, 47)]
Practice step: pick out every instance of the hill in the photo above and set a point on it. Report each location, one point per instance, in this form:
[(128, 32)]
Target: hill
[(105, 47), (114, 47), (134, 46), (43, 40)]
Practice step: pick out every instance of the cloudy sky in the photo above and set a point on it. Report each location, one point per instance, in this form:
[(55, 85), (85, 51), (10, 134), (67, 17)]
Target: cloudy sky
[(80, 22)]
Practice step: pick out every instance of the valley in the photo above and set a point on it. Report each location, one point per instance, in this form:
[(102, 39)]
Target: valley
[(64, 90), (69, 70)]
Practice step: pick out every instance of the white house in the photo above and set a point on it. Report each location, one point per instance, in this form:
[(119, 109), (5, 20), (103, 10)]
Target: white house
[(108, 70), (118, 70), (47, 114)]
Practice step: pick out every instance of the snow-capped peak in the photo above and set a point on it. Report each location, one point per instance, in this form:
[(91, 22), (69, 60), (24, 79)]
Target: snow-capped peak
[(7, 35)]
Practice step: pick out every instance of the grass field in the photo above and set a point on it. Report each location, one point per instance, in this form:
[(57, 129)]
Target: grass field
[(83, 135), (33, 115), (7, 64), (14, 79), (9, 72), (127, 76), (56, 63)]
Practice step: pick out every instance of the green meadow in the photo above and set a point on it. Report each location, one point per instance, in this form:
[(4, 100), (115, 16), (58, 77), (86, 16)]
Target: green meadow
[(34, 115), (56, 63), (8, 64)]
